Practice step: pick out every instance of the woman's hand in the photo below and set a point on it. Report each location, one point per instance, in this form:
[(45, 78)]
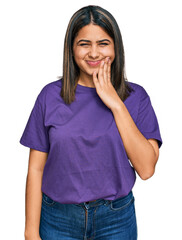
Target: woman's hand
[(104, 87)]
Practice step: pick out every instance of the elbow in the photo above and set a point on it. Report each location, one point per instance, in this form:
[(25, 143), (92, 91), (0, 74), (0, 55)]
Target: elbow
[(147, 174), (148, 170)]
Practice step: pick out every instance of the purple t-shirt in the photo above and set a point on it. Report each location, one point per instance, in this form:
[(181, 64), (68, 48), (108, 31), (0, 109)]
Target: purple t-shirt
[(86, 156)]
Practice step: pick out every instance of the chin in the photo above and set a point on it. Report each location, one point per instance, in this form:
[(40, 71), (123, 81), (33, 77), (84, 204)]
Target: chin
[(90, 73), (94, 70)]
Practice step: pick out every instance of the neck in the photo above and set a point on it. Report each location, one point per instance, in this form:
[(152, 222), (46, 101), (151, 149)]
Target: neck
[(86, 80)]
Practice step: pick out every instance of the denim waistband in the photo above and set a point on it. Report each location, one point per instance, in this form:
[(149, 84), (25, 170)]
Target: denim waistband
[(94, 203), (101, 201)]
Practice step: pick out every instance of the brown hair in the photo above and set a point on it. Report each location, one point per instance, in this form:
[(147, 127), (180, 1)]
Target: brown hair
[(101, 17)]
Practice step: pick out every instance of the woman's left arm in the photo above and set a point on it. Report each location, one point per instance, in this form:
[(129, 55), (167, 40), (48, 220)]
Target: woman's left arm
[(143, 153)]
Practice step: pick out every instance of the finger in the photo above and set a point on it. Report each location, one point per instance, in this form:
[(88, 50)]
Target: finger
[(95, 79), (101, 73), (109, 71), (105, 70)]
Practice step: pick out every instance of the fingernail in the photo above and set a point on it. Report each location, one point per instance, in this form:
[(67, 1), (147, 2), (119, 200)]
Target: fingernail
[(102, 63)]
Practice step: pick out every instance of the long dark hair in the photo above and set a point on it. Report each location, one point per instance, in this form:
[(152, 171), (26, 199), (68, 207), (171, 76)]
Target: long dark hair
[(101, 17)]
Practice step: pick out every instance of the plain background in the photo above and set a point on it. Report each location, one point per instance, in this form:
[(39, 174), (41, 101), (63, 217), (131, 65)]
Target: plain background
[(31, 53)]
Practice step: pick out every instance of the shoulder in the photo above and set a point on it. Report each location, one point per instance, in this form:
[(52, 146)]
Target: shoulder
[(49, 89), (136, 86), (139, 91)]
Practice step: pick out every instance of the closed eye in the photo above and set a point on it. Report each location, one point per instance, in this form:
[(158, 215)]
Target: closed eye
[(103, 43), (83, 44), (86, 44)]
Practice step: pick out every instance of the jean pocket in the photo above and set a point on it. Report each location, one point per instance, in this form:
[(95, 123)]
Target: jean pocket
[(122, 203), (47, 200)]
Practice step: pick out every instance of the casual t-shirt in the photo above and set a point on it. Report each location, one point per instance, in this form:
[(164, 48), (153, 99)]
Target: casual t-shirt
[(86, 156)]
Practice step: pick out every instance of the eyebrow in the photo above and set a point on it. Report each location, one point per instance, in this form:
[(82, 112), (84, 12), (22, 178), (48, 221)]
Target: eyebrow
[(99, 41)]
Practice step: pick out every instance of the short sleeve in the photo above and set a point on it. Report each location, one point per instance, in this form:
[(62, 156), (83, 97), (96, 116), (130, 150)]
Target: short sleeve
[(35, 134), (147, 121)]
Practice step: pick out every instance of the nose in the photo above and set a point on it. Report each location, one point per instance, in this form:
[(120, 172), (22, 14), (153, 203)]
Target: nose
[(93, 53)]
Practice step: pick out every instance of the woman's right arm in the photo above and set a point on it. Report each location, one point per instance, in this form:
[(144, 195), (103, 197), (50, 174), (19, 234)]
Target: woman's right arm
[(33, 199)]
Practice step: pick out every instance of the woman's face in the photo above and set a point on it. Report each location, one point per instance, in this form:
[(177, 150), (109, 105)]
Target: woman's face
[(91, 45)]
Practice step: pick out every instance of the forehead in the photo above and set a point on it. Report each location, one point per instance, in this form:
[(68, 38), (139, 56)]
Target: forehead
[(92, 32)]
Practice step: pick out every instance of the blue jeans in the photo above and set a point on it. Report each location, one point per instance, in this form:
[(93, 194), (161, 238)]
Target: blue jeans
[(96, 220)]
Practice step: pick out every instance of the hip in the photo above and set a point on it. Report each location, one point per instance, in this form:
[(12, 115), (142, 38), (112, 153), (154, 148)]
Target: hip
[(99, 219)]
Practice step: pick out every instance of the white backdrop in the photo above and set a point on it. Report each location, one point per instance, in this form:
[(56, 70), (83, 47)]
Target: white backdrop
[(31, 52)]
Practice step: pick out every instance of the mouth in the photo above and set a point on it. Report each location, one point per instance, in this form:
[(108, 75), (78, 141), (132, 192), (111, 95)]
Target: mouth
[(93, 63)]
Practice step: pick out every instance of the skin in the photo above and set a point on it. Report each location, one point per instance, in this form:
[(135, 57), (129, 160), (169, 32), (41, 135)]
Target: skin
[(33, 197), (92, 51), (143, 153)]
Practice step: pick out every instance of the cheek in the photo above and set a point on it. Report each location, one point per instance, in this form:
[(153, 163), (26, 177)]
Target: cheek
[(112, 56), (112, 52), (109, 52), (79, 54)]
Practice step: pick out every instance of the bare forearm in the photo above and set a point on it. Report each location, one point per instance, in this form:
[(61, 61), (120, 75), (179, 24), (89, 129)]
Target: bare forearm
[(138, 148), (33, 203)]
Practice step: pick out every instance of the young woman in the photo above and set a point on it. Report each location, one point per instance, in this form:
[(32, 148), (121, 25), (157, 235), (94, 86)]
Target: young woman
[(88, 133)]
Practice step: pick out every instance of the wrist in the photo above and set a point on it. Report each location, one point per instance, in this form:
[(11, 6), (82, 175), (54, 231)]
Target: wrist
[(31, 234), (118, 107)]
